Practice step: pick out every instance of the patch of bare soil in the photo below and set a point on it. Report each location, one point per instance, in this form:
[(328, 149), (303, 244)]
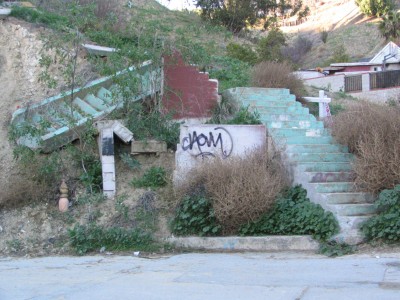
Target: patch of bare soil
[(346, 26)]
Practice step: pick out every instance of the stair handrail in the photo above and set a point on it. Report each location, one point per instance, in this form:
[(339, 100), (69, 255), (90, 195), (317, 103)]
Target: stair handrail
[(323, 104), (74, 91)]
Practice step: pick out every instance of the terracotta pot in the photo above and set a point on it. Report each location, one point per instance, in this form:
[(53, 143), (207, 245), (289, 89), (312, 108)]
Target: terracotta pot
[(63, 204)]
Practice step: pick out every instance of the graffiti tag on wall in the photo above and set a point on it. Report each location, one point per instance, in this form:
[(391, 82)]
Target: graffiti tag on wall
[(216, 142)]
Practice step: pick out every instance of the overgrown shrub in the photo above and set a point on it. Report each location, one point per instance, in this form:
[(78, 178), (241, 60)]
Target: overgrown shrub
[(324, 35), (339, 55), (372, 133), (230, 72), (154, 177), (270, 47), (294, 214), (195, 216), (223, 114), (242, 52), (375, 7), (386, 225), (86, 238), (240, 189), (152, 123), (276, 75)]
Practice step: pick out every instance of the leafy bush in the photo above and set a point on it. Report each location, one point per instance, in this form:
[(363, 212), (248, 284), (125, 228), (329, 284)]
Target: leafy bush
[(389, 25), (333, 249), (86, 238), (245, 117), (222, 114), (292, 214), (276, 75), (375, 7), (324, 35), (154, 177), (152, 123), (240, 189), (195, 216), (242, 52), (372, 133), (386, 225), (230, 72), (339, 55), (270, 47)]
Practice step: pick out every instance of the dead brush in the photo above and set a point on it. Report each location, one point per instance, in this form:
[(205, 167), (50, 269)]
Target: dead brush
[(372, 133), (240, 189), (269, 74)]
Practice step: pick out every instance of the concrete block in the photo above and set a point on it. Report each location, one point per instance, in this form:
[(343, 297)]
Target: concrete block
[(148, 146), (201, 142), (259, 243)]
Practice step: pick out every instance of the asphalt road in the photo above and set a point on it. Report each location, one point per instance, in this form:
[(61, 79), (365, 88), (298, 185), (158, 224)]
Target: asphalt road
[(203, 276)]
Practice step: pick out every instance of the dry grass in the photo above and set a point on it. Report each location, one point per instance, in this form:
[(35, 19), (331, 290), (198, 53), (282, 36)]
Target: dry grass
[(269, 74), (240, 189), (372, 132)]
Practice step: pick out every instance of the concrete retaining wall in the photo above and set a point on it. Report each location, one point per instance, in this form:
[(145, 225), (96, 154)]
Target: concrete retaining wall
[(202, 142)]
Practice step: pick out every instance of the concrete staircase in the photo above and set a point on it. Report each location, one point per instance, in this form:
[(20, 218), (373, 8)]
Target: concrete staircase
[(59, 119), (312, 157)]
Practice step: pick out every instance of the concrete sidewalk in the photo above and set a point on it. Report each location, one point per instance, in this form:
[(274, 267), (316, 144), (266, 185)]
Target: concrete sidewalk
[(203, 276)]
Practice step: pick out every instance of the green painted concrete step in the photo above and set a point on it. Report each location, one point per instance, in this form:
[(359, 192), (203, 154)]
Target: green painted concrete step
[(269, 100), (316, 148), (95, 102), (353, 209), (289, 132), (299, 124), (348, 198), (287, 117), (282, 110), (343, 176), (85, 107), (271, 103), (258, 91), (105, 95), (333, 187), (351, 222), (305, 140), (320, 157), (323, 166)]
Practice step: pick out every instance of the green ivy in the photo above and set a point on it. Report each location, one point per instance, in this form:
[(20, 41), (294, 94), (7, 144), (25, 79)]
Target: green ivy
[(294, 214), (386, 225), (93, 237), (154, 177), (230, 72), (195, 216), (333, 249)]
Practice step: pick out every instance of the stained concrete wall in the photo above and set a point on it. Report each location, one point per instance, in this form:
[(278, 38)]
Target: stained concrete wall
[(333, 83), (188, 93), (379, 96), (203, 142)]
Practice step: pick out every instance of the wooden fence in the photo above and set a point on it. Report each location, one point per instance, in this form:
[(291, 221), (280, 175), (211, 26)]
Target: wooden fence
[(353, 83), (384, 79)]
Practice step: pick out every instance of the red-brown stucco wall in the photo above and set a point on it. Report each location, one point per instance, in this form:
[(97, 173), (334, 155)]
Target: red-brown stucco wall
[(187, 92)]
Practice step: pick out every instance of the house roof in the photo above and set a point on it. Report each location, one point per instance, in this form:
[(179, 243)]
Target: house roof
[(389, 54)]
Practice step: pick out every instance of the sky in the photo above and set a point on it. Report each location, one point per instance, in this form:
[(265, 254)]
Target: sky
[(177, 4)]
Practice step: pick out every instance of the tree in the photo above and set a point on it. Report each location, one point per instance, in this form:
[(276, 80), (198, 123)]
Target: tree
[(238, 14), (389, 26), (270, 48), (375, 7)]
